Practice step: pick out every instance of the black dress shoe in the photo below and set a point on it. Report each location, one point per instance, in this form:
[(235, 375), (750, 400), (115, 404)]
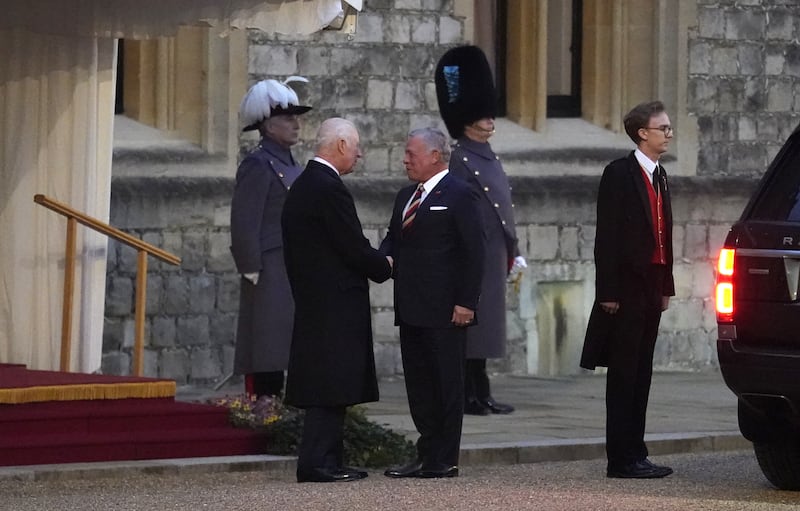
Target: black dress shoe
[(637, 470), (437, 471), (327, 475), (407, 470), (359, 472), (475, 407), (495, 407), (658, 468)]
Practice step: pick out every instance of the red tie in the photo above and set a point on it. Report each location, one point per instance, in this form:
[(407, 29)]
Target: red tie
[(411, 212)]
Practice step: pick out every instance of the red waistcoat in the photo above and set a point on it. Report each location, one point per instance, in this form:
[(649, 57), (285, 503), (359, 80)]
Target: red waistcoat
[(657, 214)]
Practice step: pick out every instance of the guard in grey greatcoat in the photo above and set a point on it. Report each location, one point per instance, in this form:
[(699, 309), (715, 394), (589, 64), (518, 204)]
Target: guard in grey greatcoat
[(266, 309), (467, 103)]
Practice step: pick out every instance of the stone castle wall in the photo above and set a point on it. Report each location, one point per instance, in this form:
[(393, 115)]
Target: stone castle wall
[(191, 309)]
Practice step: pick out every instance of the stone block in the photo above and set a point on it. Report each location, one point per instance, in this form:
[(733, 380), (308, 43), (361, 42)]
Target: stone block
[(112, 334), (119, 296), (716, 238), (696, 242), (349, 94), (129, 333), (724, 61), (683, 315), (228, 354), (370, 27), (408, 4), (423, 30), (586, 242), (793, 60), (381, 61), (273, 59), (437, 5), (774, 61), (222, 216), (376, 159), (202, 292), (703, 279), (193, 331), (710, 316), (222, 328), (543, 244), (699, 57), (780, 95), (568, 243), (747, 128), (678, 237), (383, 325), (745, 25), (781, 24), (163, 332), (382, 295), (407, 96), (228, 286), (416, 62), (193, 251), (219, 252), (176, 295), (431, 102), (450, 30), (682, 274), (387, 359), (754, 95), (175, 365), (347, 62), (170, 241), (751, 60), (116, 363), (154, 293), (397, 29), (702, 94), (317, 60), (747, 159), (730, 93), (205, 365), (709, 23), (379, 94)]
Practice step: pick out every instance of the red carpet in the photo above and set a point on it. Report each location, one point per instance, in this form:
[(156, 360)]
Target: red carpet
[(52, 417)]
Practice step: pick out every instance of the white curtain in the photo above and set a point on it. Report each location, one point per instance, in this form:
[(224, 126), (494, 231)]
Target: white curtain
[(56, 122)]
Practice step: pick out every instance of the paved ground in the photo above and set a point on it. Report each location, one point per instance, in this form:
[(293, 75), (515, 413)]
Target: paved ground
[(557, 419)]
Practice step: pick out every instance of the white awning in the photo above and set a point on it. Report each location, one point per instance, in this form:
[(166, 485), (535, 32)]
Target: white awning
[(139, 19)]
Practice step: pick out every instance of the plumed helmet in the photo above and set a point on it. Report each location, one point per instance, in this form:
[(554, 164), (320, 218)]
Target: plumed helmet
[(268, 98), (464, 88)]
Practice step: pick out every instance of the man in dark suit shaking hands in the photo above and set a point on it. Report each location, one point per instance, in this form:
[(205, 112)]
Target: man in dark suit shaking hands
[(328, 261), (633, 260), (436, 239)]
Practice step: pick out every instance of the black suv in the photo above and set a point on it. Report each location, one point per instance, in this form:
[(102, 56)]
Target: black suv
[(758, 317)]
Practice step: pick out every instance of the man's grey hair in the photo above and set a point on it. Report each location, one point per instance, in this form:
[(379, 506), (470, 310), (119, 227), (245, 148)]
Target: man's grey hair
[(434, 140), (334, 129)]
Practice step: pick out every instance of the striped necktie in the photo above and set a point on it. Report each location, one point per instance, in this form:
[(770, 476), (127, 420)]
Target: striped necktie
[(411, 212)]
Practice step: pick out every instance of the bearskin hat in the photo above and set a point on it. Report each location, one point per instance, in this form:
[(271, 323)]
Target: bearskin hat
[(464, 88)]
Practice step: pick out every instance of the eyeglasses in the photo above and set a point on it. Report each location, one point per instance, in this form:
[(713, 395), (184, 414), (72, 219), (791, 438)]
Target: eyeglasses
[(667, 130)]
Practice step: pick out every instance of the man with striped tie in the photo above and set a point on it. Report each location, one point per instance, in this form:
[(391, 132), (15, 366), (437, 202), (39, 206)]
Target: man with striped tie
[(436, 240)]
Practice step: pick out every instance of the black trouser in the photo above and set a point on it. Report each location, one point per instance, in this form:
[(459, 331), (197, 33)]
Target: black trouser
[(630, 370), (433, 364), (476, 381), (266, 383), (321, 445)]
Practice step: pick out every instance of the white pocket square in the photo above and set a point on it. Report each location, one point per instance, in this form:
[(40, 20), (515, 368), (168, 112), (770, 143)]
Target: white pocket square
[(438, 208)]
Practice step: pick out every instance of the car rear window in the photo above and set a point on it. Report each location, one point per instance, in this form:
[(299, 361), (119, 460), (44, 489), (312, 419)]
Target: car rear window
[(779, 200)]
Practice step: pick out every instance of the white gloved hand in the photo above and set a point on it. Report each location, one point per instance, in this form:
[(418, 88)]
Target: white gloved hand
[(519, 264), (252, 277)]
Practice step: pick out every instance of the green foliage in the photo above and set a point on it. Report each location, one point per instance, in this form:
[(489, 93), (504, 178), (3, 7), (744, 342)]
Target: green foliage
[(366, 443)]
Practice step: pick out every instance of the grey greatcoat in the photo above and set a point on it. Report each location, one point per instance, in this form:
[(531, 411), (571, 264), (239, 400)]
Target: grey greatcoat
[(476, 163), (266, 310)]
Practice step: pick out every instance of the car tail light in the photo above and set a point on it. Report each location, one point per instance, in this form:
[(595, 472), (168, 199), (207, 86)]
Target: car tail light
[(724, 292)]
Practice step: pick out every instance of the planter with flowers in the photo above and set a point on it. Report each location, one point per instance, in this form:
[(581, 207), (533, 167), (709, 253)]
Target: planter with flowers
[(366, 443)]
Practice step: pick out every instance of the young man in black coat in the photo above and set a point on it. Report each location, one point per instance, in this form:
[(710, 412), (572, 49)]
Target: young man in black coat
[(329, 262), (633, 260), (436, 240)]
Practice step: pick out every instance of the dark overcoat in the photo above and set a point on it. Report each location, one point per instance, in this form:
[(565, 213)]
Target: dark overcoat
[(438, 260), (479, 166), (623, 250), (328, 261), (266, 309)]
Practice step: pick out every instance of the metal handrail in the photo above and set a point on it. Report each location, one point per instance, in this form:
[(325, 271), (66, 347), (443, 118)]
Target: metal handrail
[(73, 218)]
